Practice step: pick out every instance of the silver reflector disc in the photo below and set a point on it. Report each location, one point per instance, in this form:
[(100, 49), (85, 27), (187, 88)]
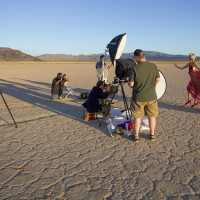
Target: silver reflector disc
[(161, 86)]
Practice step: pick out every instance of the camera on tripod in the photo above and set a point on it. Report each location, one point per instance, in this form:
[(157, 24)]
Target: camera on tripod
[(123, 68)]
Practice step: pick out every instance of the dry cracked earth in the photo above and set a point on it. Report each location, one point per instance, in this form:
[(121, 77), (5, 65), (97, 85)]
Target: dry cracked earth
[(55, 154)]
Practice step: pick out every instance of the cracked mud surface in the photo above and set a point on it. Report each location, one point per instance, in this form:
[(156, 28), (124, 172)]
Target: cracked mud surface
[(55, 154)]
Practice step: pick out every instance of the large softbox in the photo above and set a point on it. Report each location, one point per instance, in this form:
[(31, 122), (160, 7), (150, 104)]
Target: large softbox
[(123, 68), (116, 47)]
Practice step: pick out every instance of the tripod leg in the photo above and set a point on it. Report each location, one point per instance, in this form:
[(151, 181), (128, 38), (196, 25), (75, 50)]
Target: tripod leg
[(109, 104), (8, 109), (107, 109), (128, 114)]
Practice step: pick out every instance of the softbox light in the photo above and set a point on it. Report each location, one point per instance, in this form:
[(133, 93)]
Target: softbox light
[(116, 47)]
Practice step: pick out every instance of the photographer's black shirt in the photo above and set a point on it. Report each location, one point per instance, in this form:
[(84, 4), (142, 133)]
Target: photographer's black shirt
[(55, 89)]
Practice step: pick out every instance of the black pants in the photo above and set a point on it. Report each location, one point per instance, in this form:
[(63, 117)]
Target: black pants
[(105, 109)]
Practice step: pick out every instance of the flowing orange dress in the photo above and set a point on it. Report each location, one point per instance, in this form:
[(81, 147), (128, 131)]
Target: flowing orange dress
[(194, 85)]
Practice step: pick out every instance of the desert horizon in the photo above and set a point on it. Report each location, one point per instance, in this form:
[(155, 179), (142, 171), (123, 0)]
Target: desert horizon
[(91, 62), (13, 55)]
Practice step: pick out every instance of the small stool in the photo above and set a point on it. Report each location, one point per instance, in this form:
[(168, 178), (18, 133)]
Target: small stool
[(88, 115)]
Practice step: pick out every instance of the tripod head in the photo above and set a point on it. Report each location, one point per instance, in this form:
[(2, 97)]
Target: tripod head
[(119, 81)]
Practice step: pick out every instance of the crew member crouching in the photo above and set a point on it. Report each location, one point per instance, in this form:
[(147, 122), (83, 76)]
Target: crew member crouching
[(96, 99)]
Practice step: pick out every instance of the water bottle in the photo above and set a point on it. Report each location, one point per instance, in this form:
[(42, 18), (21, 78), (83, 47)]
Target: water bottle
[(126, 127)]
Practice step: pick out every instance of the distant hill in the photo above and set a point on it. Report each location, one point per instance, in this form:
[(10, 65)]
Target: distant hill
[(150, 55), (158, 56), (65, 57), (8, 54)]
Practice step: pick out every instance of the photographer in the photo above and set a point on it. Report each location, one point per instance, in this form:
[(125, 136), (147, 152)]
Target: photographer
[(57, 89), (95, 101)]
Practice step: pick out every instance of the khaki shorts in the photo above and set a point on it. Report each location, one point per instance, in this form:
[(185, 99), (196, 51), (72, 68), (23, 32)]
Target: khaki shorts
[(139, 109)]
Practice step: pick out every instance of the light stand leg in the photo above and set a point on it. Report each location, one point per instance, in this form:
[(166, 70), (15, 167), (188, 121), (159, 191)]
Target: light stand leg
[(8, 108)]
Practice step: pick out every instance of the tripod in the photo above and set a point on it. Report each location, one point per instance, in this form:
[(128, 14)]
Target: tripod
[(128, 113), (8, 108)]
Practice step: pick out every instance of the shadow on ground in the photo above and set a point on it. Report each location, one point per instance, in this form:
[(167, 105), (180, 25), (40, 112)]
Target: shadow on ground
[(37, 96), (182, 108)]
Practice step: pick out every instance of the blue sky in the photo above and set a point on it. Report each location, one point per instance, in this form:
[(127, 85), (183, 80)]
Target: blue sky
[(77, 27)]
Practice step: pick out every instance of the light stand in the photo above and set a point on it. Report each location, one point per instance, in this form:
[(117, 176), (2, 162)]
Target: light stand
[(8, 108), (115, 49)]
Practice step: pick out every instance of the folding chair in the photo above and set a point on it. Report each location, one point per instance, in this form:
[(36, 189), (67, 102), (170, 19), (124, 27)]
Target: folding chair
[(69, 90)]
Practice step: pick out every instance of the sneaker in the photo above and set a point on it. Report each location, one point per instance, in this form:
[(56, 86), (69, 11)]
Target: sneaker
[(152, 137), (135, 138)]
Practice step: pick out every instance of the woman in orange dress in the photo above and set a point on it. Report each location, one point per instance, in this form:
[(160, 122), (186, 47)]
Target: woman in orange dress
[(193, 87)]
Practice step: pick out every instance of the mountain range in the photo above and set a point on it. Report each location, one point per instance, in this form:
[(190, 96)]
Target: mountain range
[(150, 55), (8, 54)]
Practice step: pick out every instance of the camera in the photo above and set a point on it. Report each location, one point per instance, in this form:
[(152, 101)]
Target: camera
[(116, 80), (113, 89)]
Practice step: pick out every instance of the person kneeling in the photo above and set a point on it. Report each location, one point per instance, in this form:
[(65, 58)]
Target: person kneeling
[(57, 89), (96, 99)]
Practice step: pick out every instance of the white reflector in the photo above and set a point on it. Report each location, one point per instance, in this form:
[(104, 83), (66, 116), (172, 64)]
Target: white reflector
[(161, 86)]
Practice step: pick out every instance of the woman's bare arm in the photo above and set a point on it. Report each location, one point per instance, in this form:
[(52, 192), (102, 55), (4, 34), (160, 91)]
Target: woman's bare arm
[(184, 67)]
